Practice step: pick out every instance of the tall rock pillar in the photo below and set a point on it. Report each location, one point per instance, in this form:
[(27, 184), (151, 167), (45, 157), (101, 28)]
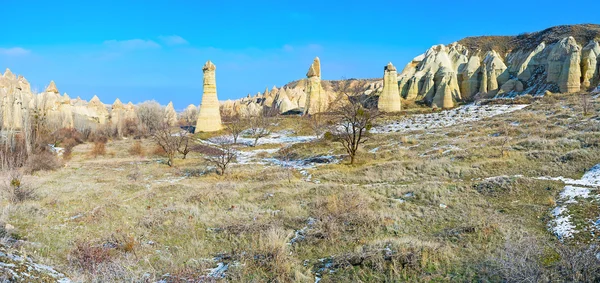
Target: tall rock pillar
[(209, 116), (316, 99), (389, 100)]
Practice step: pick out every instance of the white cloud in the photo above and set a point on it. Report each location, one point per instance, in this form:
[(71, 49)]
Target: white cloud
[(173, 40), (132, 44), (14, 51)]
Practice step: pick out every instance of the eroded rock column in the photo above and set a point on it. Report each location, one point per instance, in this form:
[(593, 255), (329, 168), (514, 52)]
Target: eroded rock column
[(209, 116)]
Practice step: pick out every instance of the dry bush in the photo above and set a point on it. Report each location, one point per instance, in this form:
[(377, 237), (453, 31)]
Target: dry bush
[(405, 260), (340, 213), (220, 154), (88, 257), (270, 260), (531, 260), (14, 190), (43, 161), (130, 128), (159, 151), (99, 148), (495, 186), (136, 149)]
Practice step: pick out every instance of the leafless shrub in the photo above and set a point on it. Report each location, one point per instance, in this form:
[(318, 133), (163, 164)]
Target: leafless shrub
[(136, 149), (585, 103), (578, 263), (259, 127), (189, 116), (150, 116), (183, 143), (529, 260), (135, 174), (353, 122), (14, 190), (88, 257), (220, 154), (235, 125), (170, 140), (43, 161), (99, 148)]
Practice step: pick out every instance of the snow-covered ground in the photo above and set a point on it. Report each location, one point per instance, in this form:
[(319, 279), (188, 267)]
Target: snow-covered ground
[(562, 224), (281, 137), (462, 114)]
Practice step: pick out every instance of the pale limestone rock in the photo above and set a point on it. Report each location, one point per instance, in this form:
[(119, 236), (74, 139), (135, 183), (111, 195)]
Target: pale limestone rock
[(9, 75), (117, 113), (302, 100), (97, 110), (522, 63), (470, 79), (511, 85), (254, 109), (316, 100), (286, 105), (52, 88), (589, 64), (495, 71), (564, 65), (209, 116), (444, 98), (389, 100), (483, 87), (170, 115)]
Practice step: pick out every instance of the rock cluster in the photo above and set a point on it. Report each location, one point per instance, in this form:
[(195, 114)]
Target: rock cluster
[(19, 104), (209, 116), (445, 74)]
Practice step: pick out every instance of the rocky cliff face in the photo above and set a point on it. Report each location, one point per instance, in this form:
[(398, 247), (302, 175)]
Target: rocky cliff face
[(560, 59)]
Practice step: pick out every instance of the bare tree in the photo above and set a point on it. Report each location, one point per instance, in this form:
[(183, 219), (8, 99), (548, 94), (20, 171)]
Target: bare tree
[(189, 116), (318, 123), (220, 153), (184, 142), (150, 116), (165, 137), (286, 155), (259, 127), (585, 104), (353, 121), (235, 125)]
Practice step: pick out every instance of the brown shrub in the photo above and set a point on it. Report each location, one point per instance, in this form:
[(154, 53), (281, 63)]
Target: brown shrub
[(14, 190), (136, 149), (159, 151), (99, 148), (88, 257), (43, 161)]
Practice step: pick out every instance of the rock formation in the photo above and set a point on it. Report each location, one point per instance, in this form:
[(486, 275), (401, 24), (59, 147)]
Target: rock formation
[(389, 100), (534, 63), (589, 64), (209, 116), (316, 100), (170, 115), (564, 65)]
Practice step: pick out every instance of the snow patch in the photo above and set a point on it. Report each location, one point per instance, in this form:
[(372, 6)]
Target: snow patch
[(459, 115)]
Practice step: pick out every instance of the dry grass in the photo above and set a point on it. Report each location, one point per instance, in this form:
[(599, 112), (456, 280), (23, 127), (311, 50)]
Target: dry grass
[(413, 211)]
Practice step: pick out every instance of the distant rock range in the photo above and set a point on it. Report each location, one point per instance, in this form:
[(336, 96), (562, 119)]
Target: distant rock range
[(562, 59), (19, 105)]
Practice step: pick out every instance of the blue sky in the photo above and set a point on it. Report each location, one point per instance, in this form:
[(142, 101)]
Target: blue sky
[(141, 50)]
